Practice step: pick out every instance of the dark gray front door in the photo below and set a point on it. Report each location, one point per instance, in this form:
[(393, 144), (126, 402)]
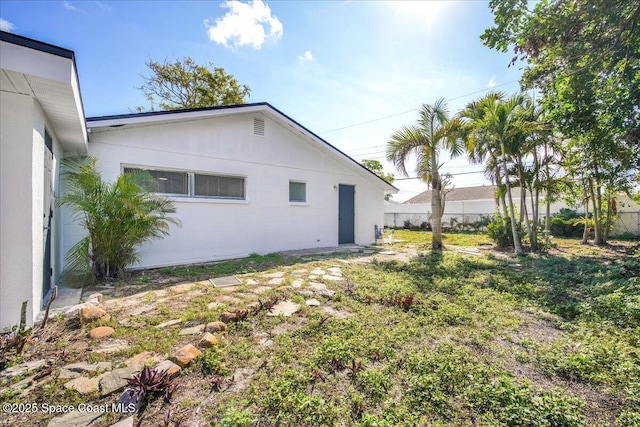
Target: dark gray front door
[(346, 214)]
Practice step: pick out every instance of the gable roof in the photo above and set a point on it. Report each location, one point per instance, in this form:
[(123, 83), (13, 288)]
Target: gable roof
[(486, 192), (226, 110)]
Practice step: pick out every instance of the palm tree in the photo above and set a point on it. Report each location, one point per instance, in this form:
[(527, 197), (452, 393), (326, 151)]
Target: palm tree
[(481, 146), (501, 122), (433, 132), (117, 216), (492, 128)]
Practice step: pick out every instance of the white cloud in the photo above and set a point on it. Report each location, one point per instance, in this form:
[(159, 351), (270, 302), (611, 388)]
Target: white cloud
[(244, 24), (6, 25), (492, 82), (306, 57), (68, 6)]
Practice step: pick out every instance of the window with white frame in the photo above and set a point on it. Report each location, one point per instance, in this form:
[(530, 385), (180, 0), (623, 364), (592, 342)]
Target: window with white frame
[(297, 192), (191, 184)]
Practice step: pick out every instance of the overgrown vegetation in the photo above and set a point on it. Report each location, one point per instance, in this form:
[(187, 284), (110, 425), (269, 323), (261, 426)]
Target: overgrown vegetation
[(446, 338)]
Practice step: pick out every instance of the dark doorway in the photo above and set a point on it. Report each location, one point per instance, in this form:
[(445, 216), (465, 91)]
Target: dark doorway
[(346, 214), (47, 212)]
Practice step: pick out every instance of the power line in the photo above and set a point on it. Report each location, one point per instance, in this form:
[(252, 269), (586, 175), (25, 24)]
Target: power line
[(452, 174), (414, 109)]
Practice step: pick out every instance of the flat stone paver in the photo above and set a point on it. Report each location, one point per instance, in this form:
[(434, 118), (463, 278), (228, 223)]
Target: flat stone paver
[(315, 286), (286, 308), (168, 323), (115, 380), (83, 385), (276, 275), (22, 368), (276, 281), (261, 289), (318, 272), (113, 346), (74, 370), (76, 418), (312, 302), (194, 330)]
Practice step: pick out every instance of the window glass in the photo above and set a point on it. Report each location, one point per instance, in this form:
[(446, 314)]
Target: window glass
[(227, 187), (165, 182), (297, 192)]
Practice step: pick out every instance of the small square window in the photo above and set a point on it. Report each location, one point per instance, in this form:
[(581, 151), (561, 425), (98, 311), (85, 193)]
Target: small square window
[(297, 192)]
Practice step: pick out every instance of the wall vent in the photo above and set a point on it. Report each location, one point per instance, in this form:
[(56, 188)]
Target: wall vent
[(258, 126)]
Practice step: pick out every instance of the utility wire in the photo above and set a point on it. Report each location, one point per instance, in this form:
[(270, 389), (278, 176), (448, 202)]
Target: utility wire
[(414, 109)]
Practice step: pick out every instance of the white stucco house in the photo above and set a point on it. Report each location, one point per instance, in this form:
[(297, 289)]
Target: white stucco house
[(245, 179)]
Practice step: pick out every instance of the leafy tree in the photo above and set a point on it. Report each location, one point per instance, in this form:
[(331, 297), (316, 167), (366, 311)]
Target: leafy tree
[(118, 217), (433, 132), (185, 84), (584, 58), (376, 167)]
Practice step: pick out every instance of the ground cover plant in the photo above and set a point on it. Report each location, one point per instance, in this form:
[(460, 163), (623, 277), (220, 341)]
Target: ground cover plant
[(463, 337)]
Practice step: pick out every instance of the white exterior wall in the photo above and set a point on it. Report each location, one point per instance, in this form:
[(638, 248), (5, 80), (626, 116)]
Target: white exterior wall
[(16, 228), (21, 217), (266, 221)]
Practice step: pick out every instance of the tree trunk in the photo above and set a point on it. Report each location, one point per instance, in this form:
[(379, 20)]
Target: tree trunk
[(500, 194), (436, 207), (436, 220), (607, 224), (527, 223), (523, 198), (585, 233), (514, 229), (547, 220), (535, 196), (596, 198)]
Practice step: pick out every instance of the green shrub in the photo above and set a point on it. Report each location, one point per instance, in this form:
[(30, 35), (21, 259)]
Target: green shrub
[(118, 217), (566, 223), (499, 230)]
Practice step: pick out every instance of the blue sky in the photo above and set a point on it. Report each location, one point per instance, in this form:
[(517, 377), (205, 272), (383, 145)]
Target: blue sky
[(352, 72)]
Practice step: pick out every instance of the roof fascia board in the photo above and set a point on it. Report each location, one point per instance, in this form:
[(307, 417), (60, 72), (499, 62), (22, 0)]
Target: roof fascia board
[(172, 115)]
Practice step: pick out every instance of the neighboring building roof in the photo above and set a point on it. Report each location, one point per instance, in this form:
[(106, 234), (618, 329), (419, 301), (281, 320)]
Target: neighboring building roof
[(486, 192), (49, 74), (265, 108)]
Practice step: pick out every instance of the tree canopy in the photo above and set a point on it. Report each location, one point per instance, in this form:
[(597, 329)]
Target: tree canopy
[(583, 56), (184, 84)]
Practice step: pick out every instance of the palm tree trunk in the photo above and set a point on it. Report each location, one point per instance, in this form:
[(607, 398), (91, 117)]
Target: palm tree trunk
[(514, 229), (436, 211), (535, 205), (547, 219), (523, 197)]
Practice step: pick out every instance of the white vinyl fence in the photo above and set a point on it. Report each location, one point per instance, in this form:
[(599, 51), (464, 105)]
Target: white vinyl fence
[(473, 215)]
